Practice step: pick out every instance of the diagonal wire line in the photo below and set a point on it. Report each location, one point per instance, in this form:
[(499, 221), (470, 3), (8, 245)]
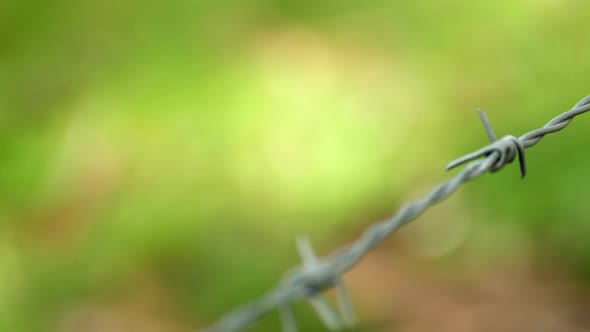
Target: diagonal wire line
[(319, 274)]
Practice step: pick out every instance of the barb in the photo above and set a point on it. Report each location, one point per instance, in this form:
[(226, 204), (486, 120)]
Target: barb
[(506, 147), (316, 275)]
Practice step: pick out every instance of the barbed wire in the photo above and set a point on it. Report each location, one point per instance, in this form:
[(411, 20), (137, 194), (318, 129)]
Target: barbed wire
[(318, 274)]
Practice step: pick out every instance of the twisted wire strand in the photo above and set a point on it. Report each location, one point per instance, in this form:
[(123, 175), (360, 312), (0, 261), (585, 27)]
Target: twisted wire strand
[(318, 274)]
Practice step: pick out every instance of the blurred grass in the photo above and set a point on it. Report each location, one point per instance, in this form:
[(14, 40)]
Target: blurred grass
[(184, 139)]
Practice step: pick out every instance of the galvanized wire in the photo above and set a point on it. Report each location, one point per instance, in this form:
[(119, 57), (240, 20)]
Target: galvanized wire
[(318, 274)]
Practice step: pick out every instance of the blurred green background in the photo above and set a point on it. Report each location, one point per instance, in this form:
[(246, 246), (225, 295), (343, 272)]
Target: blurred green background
[(157, 160)]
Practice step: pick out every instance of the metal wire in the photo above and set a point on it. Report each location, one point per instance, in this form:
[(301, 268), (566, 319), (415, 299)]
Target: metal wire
[(318, 274)]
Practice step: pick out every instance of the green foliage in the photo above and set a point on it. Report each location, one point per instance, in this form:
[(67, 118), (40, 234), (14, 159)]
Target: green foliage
[(191, 140)]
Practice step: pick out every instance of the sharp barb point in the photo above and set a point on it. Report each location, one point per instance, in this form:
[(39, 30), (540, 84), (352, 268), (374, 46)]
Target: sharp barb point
[(487, 125), (306, 251), (288, 319), (326, 313), (345, 303)]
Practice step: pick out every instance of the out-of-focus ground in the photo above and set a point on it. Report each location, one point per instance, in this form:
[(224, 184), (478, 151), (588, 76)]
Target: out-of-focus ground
[(402, 293), (157, 159)]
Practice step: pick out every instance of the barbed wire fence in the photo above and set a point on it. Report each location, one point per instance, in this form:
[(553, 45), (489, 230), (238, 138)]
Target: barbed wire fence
[(318, 274)]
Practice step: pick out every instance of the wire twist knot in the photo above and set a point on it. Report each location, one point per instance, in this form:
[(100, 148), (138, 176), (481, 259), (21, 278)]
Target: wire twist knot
[(504, 150), (507, 147), (314, 279)]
